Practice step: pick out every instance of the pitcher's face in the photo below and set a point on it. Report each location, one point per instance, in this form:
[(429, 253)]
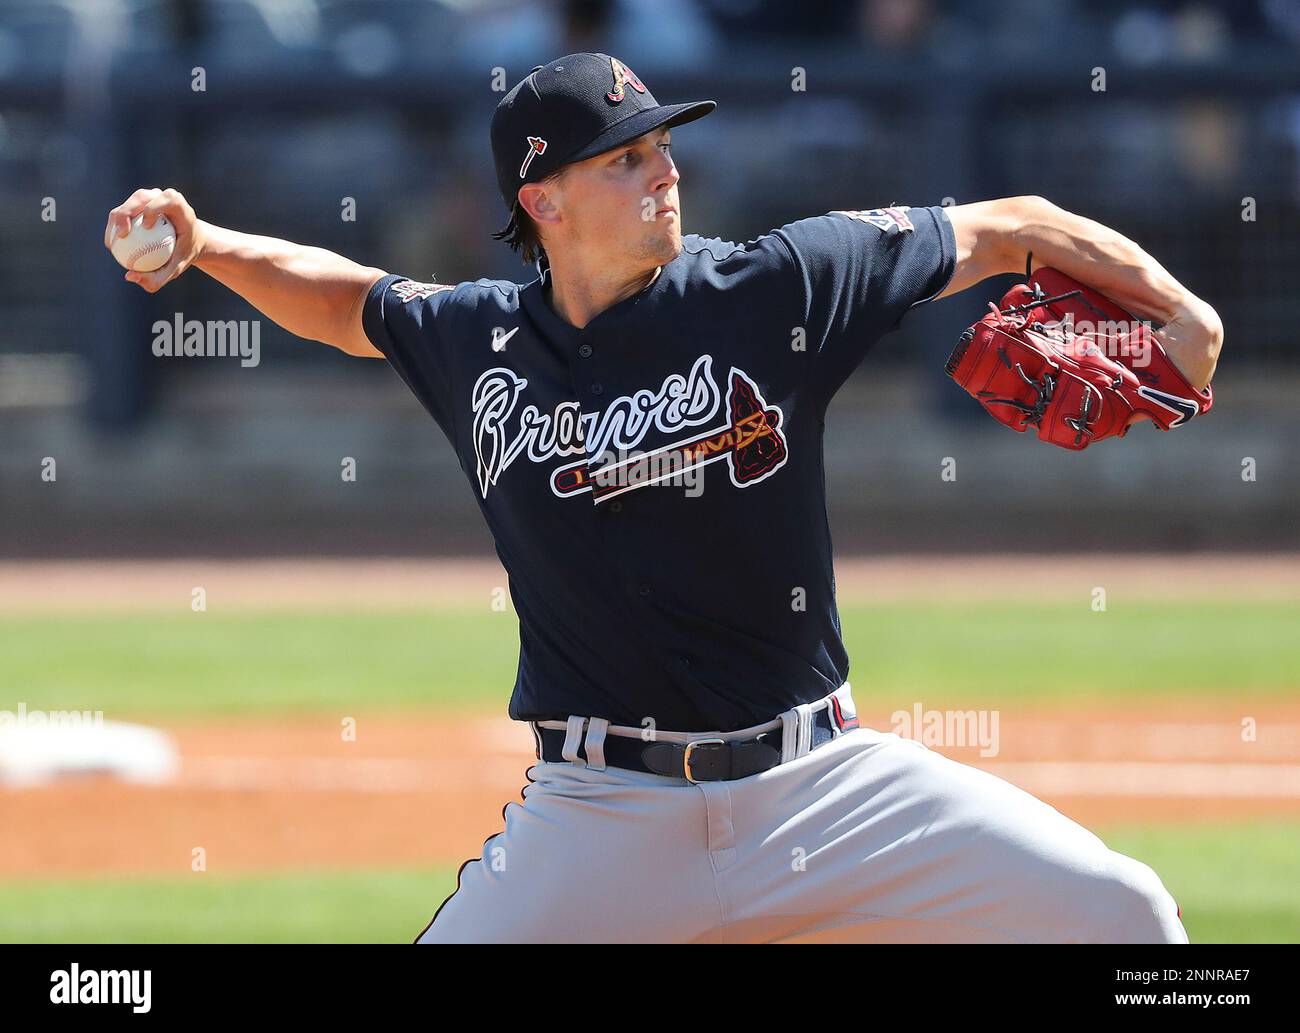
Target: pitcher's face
[(623, 204)]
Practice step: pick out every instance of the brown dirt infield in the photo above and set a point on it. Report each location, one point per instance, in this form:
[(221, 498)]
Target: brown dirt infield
[(267, 794), (37, 586)]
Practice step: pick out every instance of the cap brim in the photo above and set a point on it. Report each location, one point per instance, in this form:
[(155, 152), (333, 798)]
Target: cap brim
[(643, 122)]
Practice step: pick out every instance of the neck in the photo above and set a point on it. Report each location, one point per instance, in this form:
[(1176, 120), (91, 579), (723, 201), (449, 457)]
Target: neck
[(578, 298)]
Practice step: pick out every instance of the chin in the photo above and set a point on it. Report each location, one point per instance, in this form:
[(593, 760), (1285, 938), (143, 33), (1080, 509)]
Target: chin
[(669, 247), (658, 249)]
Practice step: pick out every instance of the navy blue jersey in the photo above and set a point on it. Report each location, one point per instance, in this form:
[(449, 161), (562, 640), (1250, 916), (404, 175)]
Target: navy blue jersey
[(654, 481)]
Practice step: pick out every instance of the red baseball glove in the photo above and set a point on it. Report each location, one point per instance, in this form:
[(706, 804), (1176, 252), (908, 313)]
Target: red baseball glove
[(1058, 356)]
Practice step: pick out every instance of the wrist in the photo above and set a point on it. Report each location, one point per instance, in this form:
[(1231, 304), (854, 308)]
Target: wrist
[(206, 239)]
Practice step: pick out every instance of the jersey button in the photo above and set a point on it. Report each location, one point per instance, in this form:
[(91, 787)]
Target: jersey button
[(616, 506), (584, 350), (597, 389), (643, 591)]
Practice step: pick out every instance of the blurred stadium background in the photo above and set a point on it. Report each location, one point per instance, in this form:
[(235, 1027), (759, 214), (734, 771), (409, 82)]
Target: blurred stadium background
[(372, 600)]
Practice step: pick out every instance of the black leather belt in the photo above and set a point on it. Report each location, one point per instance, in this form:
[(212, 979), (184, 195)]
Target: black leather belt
[(704, 760)]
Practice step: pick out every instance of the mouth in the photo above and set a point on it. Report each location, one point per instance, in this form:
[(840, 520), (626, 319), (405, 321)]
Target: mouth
[(667, 210)]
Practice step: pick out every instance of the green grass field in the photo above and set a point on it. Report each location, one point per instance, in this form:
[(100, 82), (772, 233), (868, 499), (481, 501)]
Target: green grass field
[(290, 907), (162, 665), (1236, 884)]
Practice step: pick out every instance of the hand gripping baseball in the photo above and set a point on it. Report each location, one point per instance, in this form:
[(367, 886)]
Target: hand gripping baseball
[(150, 204), (1061, 358)]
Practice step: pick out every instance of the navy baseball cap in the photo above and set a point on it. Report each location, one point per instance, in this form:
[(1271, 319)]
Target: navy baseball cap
[(574, 108)]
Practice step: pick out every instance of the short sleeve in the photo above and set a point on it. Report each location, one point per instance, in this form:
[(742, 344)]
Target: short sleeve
[(401, 319), (862, 271)]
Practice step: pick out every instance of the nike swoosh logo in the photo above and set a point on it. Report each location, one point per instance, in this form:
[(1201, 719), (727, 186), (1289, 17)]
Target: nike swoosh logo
[(499, 339)]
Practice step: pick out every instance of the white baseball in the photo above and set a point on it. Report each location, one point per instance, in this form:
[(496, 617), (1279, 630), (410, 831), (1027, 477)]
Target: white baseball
[(143, 250)]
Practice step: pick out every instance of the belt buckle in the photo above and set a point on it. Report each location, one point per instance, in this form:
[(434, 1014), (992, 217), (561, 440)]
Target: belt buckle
[(690, 748)]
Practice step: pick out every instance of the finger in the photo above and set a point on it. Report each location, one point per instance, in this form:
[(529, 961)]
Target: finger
[(157, 279), (163, 205), (143, 281), (119, 219), (150, 281), (118, 226)]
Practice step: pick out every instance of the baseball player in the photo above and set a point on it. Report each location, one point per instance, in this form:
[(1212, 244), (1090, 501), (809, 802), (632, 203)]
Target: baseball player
[(641, 425)]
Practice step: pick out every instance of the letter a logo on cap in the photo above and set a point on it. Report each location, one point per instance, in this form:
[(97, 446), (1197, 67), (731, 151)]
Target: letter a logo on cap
[(536, 145), (623, 76)]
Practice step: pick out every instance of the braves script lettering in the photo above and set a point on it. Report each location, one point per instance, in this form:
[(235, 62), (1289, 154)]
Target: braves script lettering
[(681, 401)]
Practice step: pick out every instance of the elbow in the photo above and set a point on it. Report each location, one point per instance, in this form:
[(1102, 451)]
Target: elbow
[(1197, 351), (1215, 330), (1213, 344), (1211, 332)]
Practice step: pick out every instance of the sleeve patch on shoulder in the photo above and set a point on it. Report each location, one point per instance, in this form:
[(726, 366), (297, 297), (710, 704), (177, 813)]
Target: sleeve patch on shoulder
[(887, 220), (409, 290)]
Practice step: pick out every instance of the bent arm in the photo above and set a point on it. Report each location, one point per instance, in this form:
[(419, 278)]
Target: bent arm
[(995, 237), (309, 291)]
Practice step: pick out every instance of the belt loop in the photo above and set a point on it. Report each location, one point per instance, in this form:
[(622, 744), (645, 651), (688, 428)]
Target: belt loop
[(789, 735), (537, 738), (595, 743), (844, 712), (804, 712), (572, 737)]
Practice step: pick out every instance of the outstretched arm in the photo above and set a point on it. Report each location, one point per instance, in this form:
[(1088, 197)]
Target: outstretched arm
[(995, 237), (309, 291)]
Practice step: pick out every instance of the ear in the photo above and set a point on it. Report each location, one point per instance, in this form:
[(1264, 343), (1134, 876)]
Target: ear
[(541, 201)]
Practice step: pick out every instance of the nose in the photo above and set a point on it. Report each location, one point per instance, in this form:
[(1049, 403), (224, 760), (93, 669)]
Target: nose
[(666, 175)]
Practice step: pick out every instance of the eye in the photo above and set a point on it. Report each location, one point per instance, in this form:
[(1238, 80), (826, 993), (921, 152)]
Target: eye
[(667, 146), (627, 157)]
